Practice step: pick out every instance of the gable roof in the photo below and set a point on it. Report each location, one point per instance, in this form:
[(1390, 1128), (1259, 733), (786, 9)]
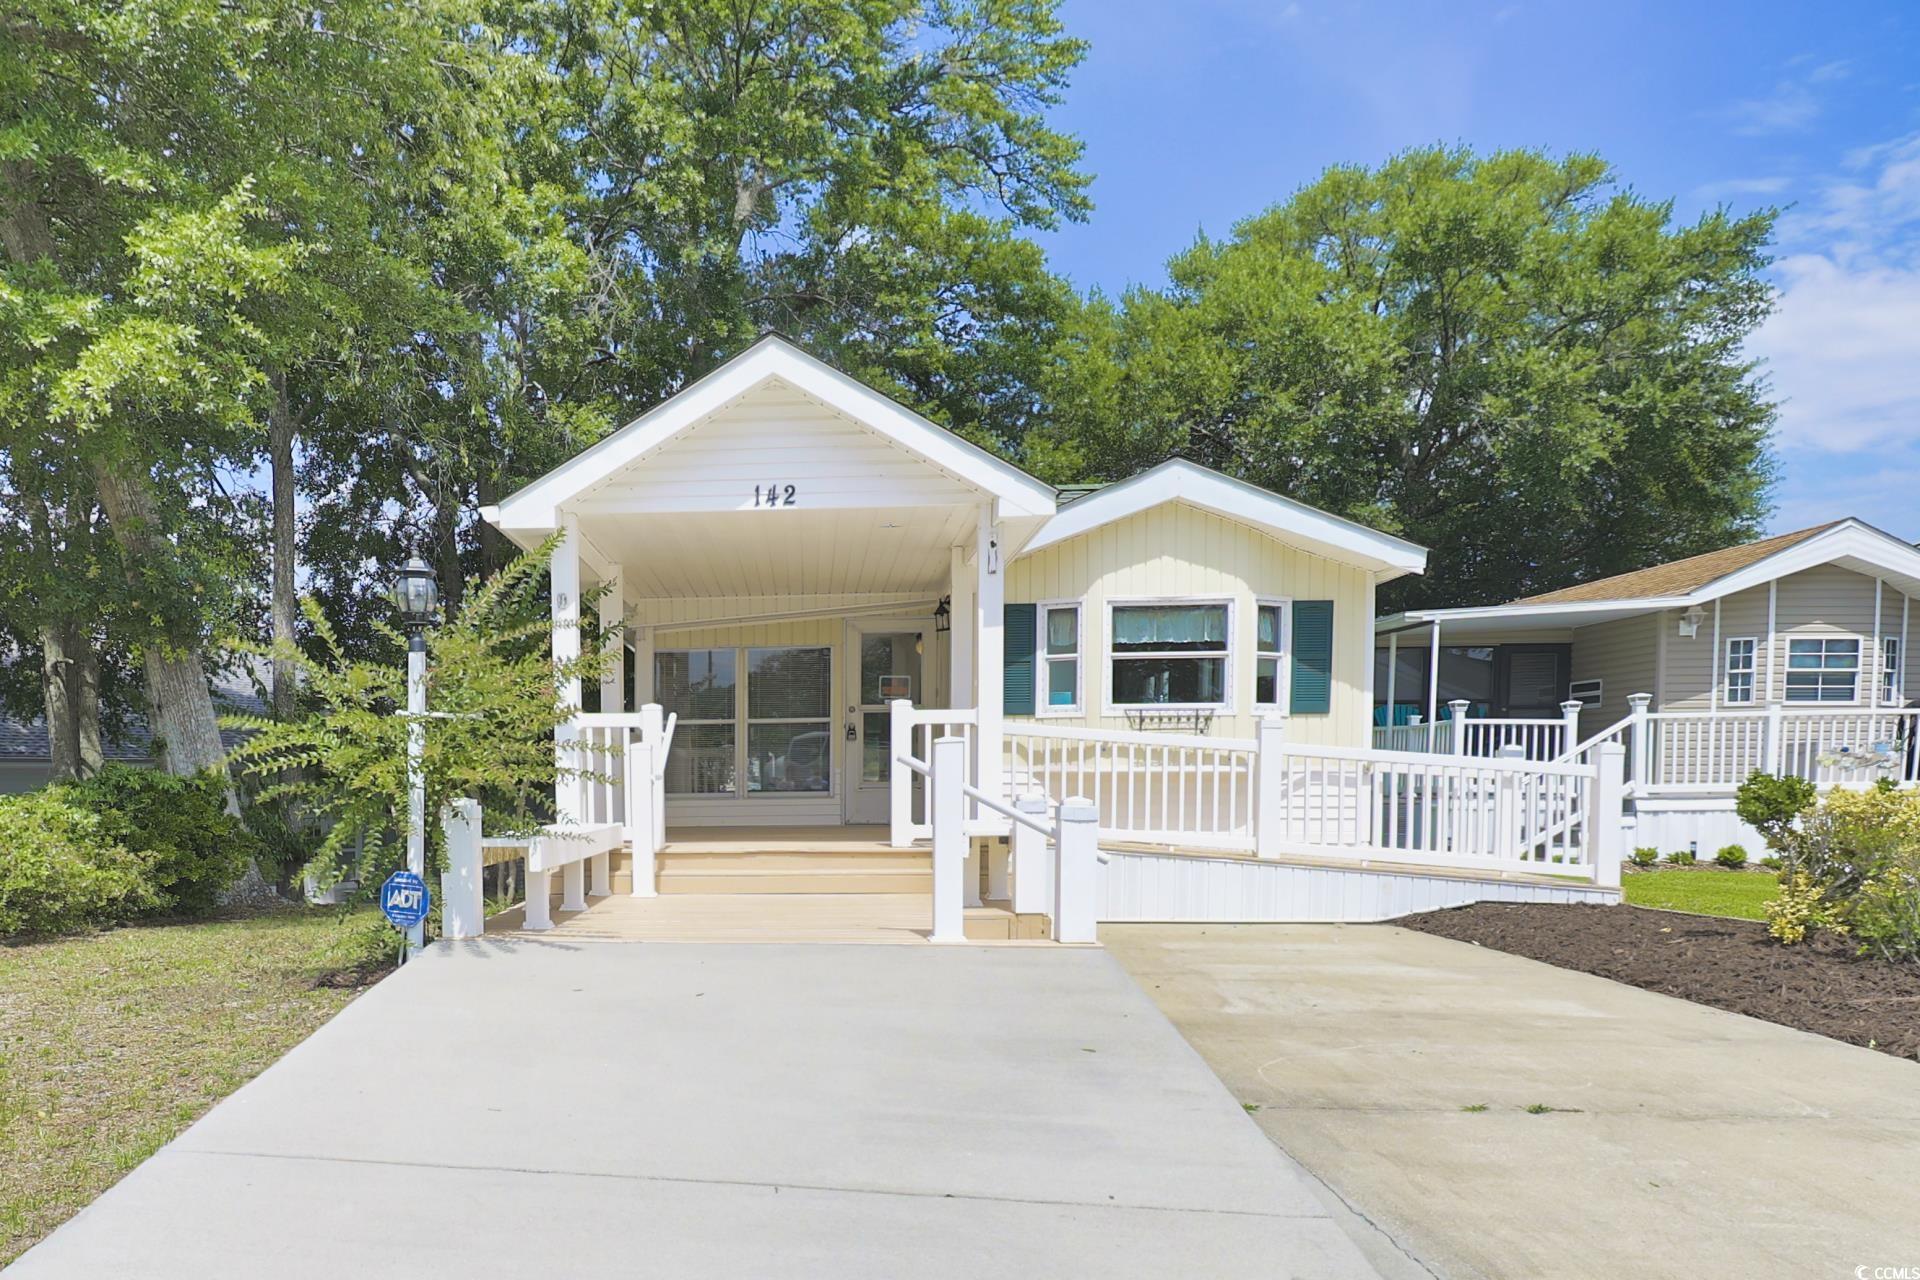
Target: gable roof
[(1678, 577), (534, 508), (1178, 480)]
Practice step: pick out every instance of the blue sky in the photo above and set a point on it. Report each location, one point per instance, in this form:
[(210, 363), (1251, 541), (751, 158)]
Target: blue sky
[(1198, 113)]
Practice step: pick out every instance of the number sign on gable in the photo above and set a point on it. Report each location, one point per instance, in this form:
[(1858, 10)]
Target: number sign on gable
[(774, 495)]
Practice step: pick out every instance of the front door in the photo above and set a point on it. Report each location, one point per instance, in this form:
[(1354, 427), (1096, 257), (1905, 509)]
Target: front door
[(888, 660)]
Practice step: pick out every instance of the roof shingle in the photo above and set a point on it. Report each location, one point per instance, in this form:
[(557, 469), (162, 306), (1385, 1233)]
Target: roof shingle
[(1677, 577)]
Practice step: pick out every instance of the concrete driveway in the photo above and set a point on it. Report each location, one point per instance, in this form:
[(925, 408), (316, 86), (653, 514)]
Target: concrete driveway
[(543, 1108), (1681, 1140)]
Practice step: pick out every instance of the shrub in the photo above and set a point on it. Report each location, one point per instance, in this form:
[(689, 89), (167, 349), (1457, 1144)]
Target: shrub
[(1772, 862), (1681, 858), (1644, 856), (60, 872), (1733, 857), (193, 849), (1801, 906), (1771, 805), (1885, 914)]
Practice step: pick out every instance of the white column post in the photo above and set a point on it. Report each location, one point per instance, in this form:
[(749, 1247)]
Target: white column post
[(947, 809), (989, 657), (539, 912), (600, 875), (613, 633), (1610, 824), (1637, 704), (1032, 861), (1075, 911), (640, 814), (653, 729), (565, 595), (573, 886), (642, 663), (1506, 812), (899, 777), (960, 637), (1433, 679), (1457, 727), (1270, 787), (1773, 749), (1569, 712), (1393, 673), (463, 910), (416, 773), (1879, 664)]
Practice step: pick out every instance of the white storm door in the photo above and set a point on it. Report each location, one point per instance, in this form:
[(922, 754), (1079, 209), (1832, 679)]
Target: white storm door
[(888, 660)]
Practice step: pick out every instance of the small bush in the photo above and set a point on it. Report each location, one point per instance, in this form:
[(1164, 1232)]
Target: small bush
[(60, 872), (1645, 856), (1681, 858), (1733, 857), (1772, 862), (1885, 914), (1771, 805), (193, 849), (1801, 906)]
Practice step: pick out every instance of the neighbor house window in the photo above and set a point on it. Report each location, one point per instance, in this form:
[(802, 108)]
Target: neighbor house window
[(789, 727), (1169, 655), (1588, 693), (1269, 646), (1823, 670), (1740, 669), (698, 687), (1890, 670), (1060, 657)]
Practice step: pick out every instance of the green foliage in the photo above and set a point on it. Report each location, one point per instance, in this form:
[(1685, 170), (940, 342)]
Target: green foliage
[(1732, 857), (1885, 915), (191, 849), (494, 700), (1771, 805), (1852, 865), (1445, 345), (1801, 908), (1681, 858), (60, 871), (1644, 856), (1772, 862)]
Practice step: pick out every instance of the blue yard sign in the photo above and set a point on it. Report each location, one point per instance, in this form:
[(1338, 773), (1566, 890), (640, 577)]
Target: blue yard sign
[(404, 900)]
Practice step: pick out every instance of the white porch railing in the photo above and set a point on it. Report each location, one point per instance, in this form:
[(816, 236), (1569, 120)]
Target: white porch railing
[(1155, 788), (1716, 750), (1537, 737), (912, 732)]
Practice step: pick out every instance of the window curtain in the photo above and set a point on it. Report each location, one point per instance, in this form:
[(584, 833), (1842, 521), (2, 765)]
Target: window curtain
[(1170, 626)]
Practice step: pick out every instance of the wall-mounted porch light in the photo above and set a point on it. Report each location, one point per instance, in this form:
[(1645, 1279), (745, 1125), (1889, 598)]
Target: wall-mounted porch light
[(943, 615), (1690, 622)]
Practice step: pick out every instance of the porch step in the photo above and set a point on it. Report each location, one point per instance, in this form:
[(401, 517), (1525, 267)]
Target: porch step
[(996, 922), (850, 871)]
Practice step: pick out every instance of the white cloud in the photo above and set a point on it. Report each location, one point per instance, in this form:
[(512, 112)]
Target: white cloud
[(1843, 345), (1717, 191), (1791, 106)]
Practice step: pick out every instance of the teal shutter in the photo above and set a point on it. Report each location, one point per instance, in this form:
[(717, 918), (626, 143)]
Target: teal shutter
[(1017, 639), (1312, 658)]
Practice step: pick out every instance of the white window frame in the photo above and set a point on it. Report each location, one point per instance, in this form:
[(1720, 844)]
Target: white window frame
[(1108, 656), (1751, 671), (1891, 693), (1593, 700), (739, 708), (1859, 670), (1283, 668), (744, 734), (1043, 663)]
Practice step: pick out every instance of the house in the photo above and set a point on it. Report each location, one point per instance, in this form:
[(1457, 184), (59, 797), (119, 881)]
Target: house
[(816, 585), (26, 756), (1792, 654)]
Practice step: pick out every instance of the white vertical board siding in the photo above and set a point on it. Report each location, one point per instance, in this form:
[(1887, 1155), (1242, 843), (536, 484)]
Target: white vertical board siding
[(1178, 550), (1621, 655), (1180, 888)]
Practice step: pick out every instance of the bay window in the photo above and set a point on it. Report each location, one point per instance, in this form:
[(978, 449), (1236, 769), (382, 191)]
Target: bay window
[(1169, 655)]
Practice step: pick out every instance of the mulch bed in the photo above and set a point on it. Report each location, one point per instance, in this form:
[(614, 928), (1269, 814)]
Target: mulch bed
[(1818, 986)]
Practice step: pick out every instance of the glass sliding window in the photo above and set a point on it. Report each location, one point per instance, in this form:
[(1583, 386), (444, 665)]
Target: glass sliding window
[(1740, 669), (1823, 670), (1890, 670), (789, 733), (698, 686), (1169, 655), (1267, 649), (1060, 652)]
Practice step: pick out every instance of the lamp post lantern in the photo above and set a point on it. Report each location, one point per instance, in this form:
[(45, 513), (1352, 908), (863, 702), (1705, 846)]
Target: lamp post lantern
[(417, 595)]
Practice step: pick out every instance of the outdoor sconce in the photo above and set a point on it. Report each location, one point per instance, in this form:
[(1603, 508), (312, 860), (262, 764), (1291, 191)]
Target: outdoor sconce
[(1690, 622), (943, 615)]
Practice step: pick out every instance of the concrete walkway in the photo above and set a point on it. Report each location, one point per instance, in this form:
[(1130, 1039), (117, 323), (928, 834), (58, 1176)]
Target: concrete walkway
[(582, 1109), (1683, 1141)]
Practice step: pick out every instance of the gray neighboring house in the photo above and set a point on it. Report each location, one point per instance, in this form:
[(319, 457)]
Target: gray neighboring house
[(26, 763)]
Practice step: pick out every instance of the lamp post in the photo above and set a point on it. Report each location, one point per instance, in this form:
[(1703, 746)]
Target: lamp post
[(416, 594)]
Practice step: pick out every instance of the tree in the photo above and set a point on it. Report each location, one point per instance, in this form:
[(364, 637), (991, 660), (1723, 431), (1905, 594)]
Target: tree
[(1505, 358)]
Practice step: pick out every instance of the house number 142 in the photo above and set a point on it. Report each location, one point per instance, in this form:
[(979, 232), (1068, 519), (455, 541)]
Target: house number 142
[(773, 495)]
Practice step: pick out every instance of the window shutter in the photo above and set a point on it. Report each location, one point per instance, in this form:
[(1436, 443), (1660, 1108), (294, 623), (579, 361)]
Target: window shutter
[(1017, 640), (1312, 658)]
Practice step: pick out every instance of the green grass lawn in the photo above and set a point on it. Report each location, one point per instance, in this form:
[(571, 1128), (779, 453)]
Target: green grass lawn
[(113, 1043), (1707, 891)]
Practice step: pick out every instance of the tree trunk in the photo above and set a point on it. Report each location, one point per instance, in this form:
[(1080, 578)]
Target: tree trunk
[(85, 695), (56, 687), (494, 551), (280, 436), (180, 708)]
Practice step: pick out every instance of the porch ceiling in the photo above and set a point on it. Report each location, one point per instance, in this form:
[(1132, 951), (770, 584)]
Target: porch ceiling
[(846, 550)]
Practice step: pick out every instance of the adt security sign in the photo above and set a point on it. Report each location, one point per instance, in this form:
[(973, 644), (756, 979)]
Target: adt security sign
[(403, 898)]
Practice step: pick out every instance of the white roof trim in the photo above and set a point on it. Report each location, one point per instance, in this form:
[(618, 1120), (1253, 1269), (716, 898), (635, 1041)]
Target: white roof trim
[(1178, 480), (535, 506)]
